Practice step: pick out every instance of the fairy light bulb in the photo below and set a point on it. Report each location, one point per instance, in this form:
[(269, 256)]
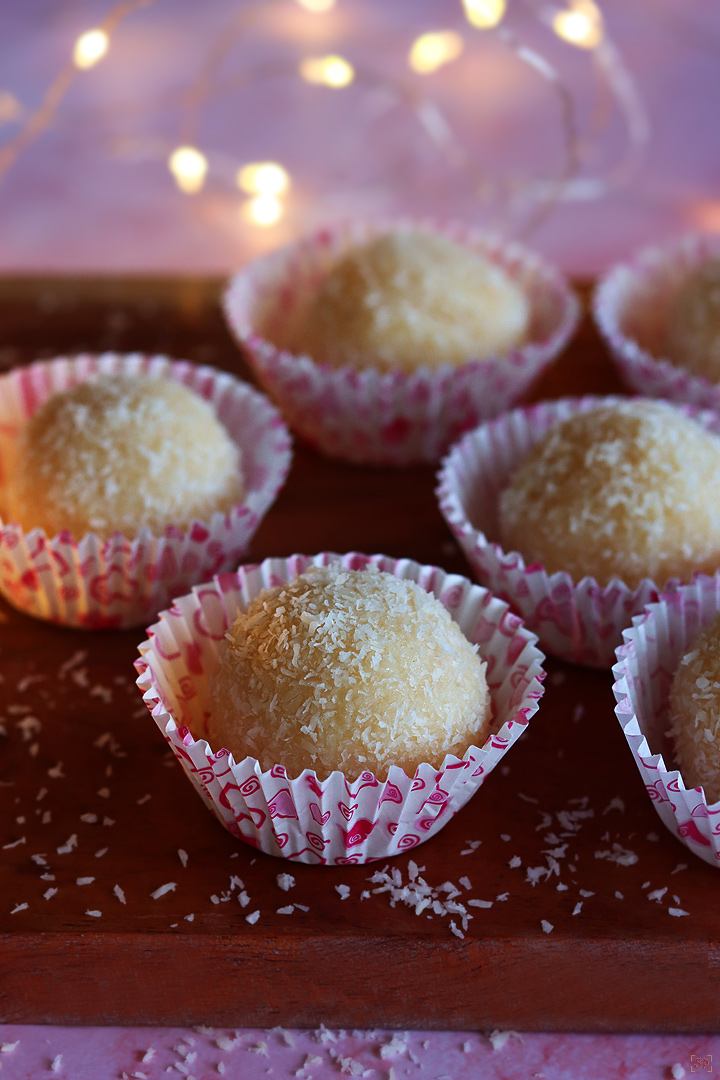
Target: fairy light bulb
[(318, 7), (484, 13), (189, 167), (580, 25), (263, 178), (331, 71), (262, 210), (430, 51), (90, 47)]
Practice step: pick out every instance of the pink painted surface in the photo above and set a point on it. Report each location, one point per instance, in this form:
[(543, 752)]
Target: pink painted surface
[(94, 194), (252, 1054)]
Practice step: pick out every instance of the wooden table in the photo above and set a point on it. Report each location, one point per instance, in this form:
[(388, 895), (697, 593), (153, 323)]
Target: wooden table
[(87, 791)]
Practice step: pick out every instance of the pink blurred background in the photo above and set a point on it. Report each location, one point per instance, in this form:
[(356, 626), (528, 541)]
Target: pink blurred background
[(93, 192)]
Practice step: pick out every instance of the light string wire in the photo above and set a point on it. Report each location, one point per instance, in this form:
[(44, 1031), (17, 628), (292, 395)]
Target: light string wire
[(532, 198)]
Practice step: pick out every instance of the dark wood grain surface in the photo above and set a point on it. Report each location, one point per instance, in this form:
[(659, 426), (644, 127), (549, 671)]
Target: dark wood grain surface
[(89, 794)]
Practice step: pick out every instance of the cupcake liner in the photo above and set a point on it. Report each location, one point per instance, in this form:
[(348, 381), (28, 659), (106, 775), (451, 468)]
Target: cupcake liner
[(340, 819), (578, 621), (646, 664), (120, 582), (631, 305), (370, 417)]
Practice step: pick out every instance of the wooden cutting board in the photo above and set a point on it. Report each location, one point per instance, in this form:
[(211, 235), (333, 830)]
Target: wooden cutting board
[(562, 846)]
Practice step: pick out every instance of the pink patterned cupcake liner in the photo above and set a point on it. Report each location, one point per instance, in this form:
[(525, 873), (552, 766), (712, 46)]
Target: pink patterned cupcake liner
[(367, 416), (120, 582), (646, 664), (578, 621), (631, 305), (340, 819)]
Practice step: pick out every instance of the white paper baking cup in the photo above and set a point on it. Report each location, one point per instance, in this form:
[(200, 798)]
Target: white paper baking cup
[(631, 305), (367, 416), (339, 819), (646, 664), (581, 621), (120, 582)]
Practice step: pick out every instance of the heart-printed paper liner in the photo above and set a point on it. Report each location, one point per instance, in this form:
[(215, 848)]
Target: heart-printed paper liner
[(336, 819), (366, 416), (120, 582), (631, 306), (581, 621), (646, 664)]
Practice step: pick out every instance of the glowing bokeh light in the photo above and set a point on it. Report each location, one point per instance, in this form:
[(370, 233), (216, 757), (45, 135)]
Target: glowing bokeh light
[(262, 210), (189, 167), (331, 71), (580, 25), (318, 7), (430, 51), (90, 47), (484, 13), (263, 178)]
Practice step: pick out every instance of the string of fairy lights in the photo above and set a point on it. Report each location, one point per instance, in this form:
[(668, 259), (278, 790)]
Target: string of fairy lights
[(266, 186)]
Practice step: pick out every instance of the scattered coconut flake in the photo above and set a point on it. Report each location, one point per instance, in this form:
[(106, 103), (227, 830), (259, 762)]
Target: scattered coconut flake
[(95, 914), (103, 792), (84, 880), (170, 886), (498, 1039), (103, 851), (578, 713), (143, 800), (472, 845), (259, 1048), (19, 907), (148, 1055), (15, 843), (189, 918), (253, 917), (480, 903), (619, 896), (652, 837), (285, 882), (49, 893), (506, 837), (680, 866), (68, 846), (8, 1047), (547, 926), (304, 907), (620, 855), (56, 772), (465, 882), (677, 1071), (119, 893), (220, 1067), (56, 1063), (678, 912), (396, 1046), (615, 804), (29, 726), (343, 891), (502, 896), (657, 894), (183, 856), (285, 910), (560, 887), (224, 1043), (89, 819), (515, 862), (578, 908)]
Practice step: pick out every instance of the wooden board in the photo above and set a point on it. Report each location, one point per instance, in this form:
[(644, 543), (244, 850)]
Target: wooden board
[(614, 959)]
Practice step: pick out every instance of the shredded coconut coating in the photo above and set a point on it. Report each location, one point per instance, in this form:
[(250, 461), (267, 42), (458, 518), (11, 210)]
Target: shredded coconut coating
[(626, 491), (695, 712), (118, 453), (349, 670), (693, 332), (408, 299)]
